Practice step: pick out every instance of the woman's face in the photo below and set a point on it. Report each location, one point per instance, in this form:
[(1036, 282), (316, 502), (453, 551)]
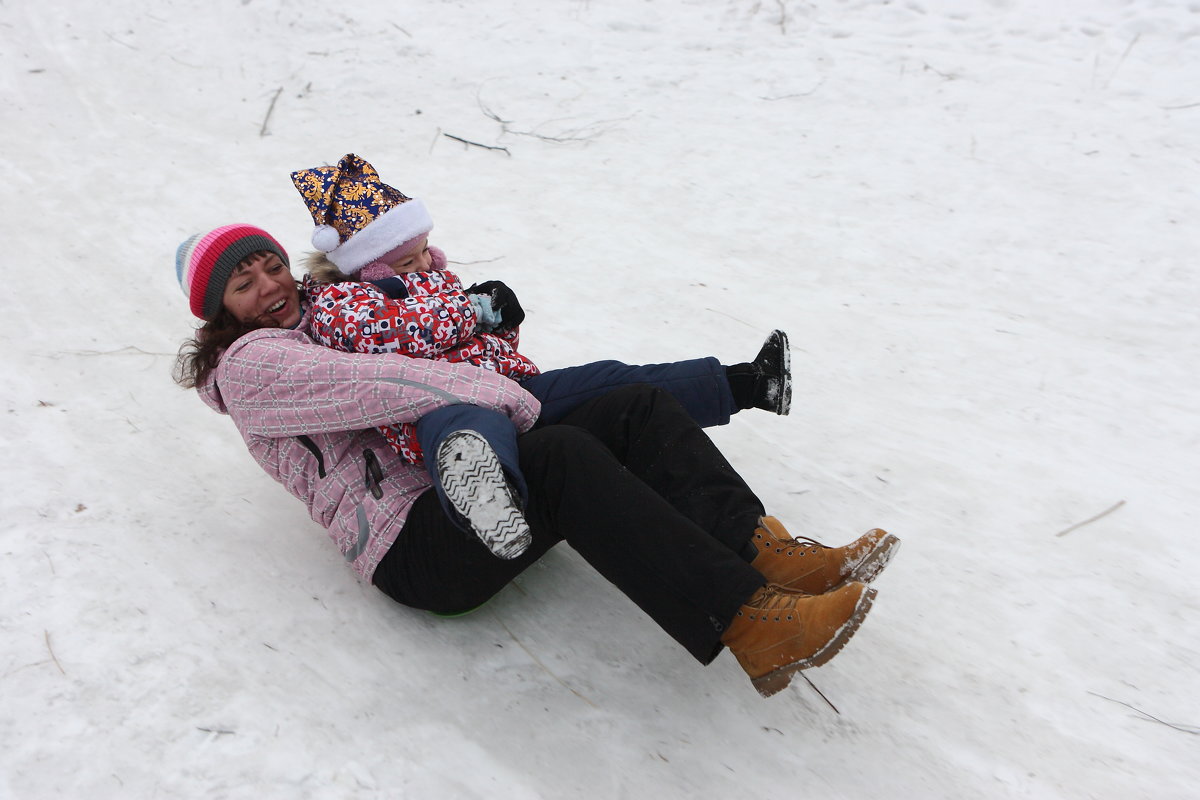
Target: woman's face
[(261, 288)]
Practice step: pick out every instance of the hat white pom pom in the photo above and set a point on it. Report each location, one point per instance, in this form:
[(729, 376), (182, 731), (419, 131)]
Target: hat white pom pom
[(325, 238)]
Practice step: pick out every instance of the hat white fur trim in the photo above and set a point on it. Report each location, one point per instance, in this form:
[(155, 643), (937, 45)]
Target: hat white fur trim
[(387, 232)]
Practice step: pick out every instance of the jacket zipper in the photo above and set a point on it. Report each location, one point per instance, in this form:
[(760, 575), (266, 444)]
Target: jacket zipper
[(374, 473)]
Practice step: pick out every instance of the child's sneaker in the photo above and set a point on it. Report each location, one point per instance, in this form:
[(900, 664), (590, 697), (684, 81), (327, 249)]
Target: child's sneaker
[(774, 365), (475, 486)]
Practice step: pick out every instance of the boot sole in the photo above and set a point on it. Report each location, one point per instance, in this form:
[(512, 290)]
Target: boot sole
[(783, 404), (474, 483), (869, 568), (778, 679)]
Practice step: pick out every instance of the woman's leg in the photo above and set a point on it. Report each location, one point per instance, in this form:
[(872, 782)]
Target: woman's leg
[(436, 566), (689, 582), (708, 391), (655, 438), (602, 482)]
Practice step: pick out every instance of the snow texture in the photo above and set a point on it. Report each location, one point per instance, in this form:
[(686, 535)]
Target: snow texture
[(977, 221)]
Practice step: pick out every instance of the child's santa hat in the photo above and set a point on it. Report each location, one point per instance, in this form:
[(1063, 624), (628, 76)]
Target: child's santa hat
[(359, 218)]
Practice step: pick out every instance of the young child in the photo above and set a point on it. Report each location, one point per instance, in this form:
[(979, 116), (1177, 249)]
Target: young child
[(378, 287)]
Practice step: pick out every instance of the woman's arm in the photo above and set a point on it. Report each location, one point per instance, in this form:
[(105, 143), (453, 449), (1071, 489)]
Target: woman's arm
[(281, 383)]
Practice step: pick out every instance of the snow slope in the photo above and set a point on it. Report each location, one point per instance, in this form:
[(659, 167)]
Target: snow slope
[(976, 220)]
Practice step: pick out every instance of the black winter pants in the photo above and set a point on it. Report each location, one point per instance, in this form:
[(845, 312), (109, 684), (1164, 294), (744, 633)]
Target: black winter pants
[(638, 489)]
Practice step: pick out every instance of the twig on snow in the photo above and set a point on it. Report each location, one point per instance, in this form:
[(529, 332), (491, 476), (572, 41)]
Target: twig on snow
[(583, 133), (217, 731), (487, 112), (1121, 60), (794, 94), (1192, 729), (538, 661), (1090, 520), (818, 691), (1180, 108), (123, 351), (735, 319), (949, 76), (469, 263), (263, 130), (118, 41), (477, 144), (53, 657), (782, 17)]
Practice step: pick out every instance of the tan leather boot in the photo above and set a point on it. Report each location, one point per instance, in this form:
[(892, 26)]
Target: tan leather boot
[(777, 633), (805, 565)]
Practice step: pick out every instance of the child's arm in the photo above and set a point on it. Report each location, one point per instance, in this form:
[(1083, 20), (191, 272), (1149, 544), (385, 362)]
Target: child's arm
[(361, 318)]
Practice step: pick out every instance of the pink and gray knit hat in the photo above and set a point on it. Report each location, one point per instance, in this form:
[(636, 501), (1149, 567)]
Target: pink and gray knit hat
[(359, 218), (205, 261)]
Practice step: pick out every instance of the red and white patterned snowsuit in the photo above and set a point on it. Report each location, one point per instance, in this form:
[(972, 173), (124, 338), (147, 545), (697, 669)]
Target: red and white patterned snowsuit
[(436, 321)]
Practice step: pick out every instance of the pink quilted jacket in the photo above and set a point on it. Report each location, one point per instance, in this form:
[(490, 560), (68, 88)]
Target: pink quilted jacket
[(310, 417)]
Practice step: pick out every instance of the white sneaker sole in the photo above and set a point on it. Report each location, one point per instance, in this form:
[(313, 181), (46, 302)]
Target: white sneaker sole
[(474, 483)]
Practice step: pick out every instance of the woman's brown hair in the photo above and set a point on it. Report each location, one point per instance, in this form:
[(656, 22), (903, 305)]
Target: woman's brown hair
[(199, 356)]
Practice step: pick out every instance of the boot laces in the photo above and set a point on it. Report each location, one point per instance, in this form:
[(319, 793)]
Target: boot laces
[(774, 598), (805, 541)]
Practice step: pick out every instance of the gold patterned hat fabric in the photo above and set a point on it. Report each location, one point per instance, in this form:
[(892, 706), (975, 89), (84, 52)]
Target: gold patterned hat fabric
[(358, 217)]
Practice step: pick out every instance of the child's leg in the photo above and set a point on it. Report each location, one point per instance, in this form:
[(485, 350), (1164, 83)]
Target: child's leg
[(699, 385), (471, 454), (709, 391)]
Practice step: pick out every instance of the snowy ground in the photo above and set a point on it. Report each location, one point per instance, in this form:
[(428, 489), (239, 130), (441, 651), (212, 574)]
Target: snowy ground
[(978, 221)]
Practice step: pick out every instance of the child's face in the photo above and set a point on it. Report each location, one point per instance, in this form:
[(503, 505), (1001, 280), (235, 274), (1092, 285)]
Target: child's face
[(417, 258)]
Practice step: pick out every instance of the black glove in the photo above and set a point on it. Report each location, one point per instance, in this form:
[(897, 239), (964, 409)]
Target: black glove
[(504, 302)]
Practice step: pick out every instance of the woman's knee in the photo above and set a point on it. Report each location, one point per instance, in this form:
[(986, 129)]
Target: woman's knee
[(557, 445)]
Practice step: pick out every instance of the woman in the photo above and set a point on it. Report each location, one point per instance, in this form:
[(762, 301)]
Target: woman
[(627, 479)]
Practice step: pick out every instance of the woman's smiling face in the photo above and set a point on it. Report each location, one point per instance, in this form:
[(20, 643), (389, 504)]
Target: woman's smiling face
[(261, 288)]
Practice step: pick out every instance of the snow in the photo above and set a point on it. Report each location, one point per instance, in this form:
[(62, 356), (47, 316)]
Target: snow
[(977, 221)]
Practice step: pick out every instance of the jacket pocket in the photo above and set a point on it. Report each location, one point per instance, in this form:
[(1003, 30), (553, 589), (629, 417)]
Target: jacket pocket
[(311, 447)]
